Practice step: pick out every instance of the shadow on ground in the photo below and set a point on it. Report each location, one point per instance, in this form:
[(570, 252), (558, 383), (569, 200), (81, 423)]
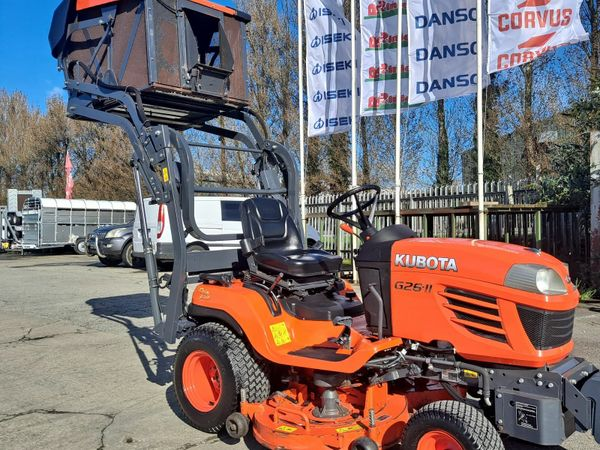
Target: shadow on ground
[(154, 355)]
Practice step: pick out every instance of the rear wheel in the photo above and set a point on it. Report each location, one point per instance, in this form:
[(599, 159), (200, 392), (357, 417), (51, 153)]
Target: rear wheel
[(212, 365), (80, 247), (127, 254), (450, 425)]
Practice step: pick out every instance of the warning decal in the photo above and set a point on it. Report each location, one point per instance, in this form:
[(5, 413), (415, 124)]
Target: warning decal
[(348, 429), (280, 334), (526, 415), (286, 429)]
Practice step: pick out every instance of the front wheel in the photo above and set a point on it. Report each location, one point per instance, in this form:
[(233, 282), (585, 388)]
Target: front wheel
[(212, 365), (80, 246), (450, 425), (127, 254)]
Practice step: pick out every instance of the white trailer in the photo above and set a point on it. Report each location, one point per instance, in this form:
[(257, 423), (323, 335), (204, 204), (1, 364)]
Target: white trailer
[(51, 222), (11, 217)]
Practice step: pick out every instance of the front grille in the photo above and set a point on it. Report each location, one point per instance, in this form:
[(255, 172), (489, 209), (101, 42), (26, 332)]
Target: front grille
[(478, 313), (547, 329)]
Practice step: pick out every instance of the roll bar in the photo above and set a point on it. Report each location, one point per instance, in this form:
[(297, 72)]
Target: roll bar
[(154, 120)]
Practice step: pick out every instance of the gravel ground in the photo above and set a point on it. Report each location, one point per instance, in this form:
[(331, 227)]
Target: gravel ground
[(80, 368)]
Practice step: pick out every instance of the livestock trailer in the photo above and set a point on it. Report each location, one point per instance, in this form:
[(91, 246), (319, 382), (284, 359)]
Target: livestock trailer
[(11, 217), (51, 222)]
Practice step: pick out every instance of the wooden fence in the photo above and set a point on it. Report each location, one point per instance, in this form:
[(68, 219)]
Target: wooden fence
[(512, 212)]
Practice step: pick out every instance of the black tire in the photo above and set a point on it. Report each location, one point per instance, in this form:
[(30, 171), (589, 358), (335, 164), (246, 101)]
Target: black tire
[(127, 254), (463, 422), (364, 443), (237, 425), (237, 367), (109, 262), (80, 247)]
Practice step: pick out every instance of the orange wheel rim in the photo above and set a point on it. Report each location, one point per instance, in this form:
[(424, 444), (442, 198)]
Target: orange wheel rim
[(438, 440), (201, 381)]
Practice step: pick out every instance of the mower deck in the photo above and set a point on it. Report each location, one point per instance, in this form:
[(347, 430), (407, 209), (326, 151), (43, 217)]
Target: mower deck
[(288, 419)]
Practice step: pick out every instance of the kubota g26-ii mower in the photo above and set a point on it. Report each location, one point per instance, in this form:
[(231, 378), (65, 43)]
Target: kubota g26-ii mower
[(452, 342)]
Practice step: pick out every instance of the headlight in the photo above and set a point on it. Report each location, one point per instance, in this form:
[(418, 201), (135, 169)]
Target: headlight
[(116, 233), (535, 278)]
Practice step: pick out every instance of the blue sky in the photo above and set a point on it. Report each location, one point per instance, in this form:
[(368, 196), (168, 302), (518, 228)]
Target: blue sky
[(27, 65)]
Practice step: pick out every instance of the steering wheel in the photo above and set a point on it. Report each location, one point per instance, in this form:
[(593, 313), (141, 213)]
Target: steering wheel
[(364, 223)]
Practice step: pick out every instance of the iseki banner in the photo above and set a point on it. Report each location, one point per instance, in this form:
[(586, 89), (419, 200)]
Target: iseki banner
[(328, 68)]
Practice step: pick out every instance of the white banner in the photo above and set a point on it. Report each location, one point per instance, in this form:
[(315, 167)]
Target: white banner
[(379, 62), (328, 67), (443, 49), (522, 30)]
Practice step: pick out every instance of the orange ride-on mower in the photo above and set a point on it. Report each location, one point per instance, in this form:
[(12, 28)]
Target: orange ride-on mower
[(448, 345)]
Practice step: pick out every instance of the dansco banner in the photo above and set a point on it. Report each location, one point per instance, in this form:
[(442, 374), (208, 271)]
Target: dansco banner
[(442, 36), (379, 62), (328, 67), (522, 30)]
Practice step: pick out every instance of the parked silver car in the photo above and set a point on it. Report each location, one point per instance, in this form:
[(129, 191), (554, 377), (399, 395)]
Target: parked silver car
[(112, 244)]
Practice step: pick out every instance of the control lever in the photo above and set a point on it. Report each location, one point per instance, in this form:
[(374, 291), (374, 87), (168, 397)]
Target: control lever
[(348, 229), (344, 340), (275, 283)]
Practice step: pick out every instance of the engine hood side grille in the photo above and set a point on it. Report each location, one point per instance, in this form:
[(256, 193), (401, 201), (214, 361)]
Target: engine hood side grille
[(478, 313)]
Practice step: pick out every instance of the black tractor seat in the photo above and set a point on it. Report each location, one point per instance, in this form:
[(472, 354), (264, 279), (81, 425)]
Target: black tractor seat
[(272, 239), (300, 263)]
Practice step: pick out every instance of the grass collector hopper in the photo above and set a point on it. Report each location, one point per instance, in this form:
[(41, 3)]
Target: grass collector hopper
[(182, 56)]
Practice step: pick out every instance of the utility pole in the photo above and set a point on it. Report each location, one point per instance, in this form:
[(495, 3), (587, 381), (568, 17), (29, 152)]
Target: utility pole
[(301, 116), (398, 155), (595, 208), (480, 137), (354, 133)]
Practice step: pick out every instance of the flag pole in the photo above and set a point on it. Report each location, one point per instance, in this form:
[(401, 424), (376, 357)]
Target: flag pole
[(480, 142), (301, 115), (354, 159), (398, 157)]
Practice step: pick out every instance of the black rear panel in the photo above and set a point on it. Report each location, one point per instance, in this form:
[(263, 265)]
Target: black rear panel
[(373, 262), (377, 274), (547, 329)]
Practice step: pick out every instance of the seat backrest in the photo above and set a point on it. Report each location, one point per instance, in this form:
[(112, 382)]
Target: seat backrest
[(269, 221)]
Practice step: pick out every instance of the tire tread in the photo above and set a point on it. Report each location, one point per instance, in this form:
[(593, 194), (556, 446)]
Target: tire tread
[(476, 428), (249, 373)]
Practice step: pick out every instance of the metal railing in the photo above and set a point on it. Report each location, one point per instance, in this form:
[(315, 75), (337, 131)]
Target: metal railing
[(512, 211)]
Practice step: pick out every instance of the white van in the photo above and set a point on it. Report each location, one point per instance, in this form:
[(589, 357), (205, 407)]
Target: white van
[(214, 215)]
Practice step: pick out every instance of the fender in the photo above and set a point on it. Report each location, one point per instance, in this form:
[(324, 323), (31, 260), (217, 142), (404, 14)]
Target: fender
[(283, 339)]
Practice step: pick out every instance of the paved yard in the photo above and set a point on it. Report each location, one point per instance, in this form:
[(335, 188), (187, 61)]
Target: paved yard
[(79, 368)]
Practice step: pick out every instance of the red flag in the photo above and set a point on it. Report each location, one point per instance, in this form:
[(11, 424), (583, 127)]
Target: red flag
[(69, 177)]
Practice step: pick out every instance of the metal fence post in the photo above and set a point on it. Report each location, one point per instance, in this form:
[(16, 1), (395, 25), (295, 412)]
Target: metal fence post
[(538, 229)]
